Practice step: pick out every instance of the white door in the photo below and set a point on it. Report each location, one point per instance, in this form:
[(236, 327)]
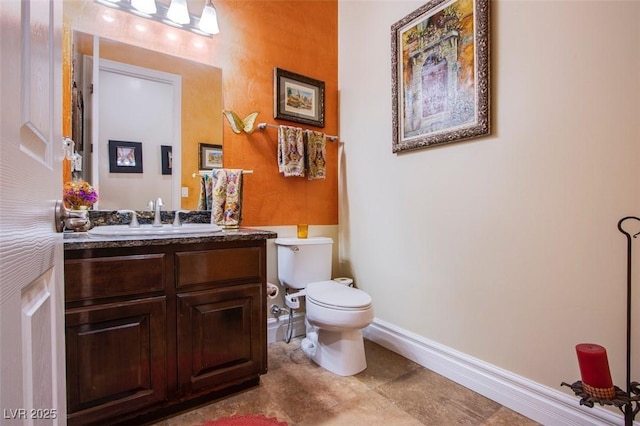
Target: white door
[(138, 105), (32, 381)]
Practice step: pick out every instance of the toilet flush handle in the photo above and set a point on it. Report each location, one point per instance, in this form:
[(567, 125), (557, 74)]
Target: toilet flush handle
[(294, 249), (292, 301)]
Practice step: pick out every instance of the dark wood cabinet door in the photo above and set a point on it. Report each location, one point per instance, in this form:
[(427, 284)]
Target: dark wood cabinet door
[(220, 338), (116, 359)]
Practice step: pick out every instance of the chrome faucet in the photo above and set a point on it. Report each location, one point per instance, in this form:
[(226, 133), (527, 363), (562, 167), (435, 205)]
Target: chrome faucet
[(134, 218), (157, 219), (176, 218)]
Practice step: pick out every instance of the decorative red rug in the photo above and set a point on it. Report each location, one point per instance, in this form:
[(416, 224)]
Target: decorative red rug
[(245, 420)]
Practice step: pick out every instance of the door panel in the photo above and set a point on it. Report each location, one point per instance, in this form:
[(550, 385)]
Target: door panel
[(31, 263), (116, 358), (36, 309), (217, 332)]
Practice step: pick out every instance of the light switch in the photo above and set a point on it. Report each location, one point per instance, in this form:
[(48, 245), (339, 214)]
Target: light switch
[(185, 191)]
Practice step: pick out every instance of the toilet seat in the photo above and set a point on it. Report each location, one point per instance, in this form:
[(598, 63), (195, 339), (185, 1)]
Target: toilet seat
[(330, 294)]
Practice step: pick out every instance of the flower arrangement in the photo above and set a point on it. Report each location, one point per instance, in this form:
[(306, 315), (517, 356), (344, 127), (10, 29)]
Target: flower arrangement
[(79, 195)]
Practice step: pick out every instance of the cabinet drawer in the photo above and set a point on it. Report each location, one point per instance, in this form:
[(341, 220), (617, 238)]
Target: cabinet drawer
[(210, 266), (113, 276)]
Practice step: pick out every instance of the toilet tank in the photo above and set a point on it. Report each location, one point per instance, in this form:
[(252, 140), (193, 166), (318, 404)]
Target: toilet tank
[(303, 260)]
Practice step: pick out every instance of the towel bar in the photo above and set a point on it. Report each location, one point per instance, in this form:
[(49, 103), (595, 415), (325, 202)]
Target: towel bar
[(262, 126), (204, 172)]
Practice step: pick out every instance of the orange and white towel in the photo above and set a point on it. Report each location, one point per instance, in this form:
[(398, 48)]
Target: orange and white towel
[(226, 205), (315, 154), (291, 156)]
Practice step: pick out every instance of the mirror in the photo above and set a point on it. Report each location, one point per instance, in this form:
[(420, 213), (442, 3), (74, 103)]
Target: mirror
[(138, 118)]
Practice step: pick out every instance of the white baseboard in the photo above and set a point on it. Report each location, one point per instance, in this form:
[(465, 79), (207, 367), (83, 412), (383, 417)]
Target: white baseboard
[(277, 327), (540, 403)]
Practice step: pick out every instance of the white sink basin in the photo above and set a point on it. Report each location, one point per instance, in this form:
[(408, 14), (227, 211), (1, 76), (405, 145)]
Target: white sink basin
[(186, 228)]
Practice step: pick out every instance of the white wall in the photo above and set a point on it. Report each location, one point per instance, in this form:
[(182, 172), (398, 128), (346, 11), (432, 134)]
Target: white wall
[(505, 248)]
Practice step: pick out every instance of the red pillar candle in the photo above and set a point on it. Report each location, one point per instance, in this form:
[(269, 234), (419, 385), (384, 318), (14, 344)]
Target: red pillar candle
[(594, 366)]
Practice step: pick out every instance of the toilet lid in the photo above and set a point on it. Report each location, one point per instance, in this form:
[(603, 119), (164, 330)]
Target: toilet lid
[(332, 294)]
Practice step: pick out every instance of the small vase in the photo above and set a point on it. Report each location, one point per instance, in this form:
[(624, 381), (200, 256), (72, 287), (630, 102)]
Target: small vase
[(77, 219), (79, 207)]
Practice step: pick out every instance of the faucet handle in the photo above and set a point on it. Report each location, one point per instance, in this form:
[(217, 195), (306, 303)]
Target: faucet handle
[(134, 218), (176, 219), (150, 205)]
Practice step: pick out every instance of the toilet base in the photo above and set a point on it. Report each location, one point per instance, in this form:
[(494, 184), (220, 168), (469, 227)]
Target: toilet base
[(341, 352)]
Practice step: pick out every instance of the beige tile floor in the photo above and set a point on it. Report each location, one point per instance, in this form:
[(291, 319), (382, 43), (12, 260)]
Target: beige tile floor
[(391, 391)]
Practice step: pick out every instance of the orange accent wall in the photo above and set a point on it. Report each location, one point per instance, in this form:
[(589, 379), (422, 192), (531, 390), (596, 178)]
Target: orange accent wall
[(255, 37), (298, 36)]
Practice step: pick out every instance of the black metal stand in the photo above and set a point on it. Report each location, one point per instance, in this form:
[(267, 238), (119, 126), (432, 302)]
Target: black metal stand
[(628, 402)]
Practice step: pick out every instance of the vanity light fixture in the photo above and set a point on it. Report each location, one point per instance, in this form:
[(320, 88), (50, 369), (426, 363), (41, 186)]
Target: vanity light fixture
[(179, 12), (209, 19), (176, 14), (148, 7)]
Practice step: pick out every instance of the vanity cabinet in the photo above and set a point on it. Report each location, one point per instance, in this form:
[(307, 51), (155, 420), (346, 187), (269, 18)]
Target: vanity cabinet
[(152, 329)]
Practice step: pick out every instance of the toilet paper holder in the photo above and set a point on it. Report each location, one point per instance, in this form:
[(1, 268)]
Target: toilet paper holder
[(272, 291)]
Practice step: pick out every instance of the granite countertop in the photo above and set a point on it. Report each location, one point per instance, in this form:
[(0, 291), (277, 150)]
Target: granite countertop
[(84, 240)]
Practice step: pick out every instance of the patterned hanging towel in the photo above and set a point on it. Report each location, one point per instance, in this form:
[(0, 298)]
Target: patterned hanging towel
[(316, 154), (290, 151), (206, 191), (226, 207)]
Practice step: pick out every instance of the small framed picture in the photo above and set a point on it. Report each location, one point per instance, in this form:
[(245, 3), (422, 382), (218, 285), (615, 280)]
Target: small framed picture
[(166, 159), (298, 98), (125, 157), (210, 156)]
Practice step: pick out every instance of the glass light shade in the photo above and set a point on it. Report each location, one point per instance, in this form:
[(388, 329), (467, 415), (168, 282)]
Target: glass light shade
[(145, 6), (179, 12), (209, 19)]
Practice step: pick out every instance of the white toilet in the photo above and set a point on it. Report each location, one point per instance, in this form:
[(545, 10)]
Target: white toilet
[(335, 312)]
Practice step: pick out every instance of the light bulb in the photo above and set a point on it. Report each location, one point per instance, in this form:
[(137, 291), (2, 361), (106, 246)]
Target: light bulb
[(209, 19), (145, 6), (179, 12)]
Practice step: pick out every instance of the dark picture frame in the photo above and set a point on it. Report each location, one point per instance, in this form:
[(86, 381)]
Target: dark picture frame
[(298, 98), (440, 74), (166, 159), (125, 157), (209, 156)]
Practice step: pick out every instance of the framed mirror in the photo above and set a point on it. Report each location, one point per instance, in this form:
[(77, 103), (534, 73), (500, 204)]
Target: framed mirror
[(163, 103)]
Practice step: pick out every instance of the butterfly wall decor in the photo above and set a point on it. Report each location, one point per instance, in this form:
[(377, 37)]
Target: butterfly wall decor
[(239, 125)]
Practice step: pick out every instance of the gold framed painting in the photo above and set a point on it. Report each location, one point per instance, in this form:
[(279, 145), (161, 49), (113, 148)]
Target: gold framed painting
[(440, 74)]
